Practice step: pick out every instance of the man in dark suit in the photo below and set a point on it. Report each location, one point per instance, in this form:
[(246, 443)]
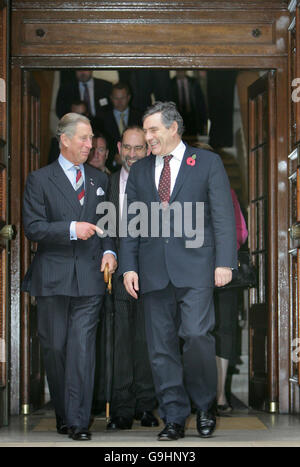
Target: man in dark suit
[(94, 92), (133, 394), (190, 248), (189, 98), (115, 119), (66, 275)]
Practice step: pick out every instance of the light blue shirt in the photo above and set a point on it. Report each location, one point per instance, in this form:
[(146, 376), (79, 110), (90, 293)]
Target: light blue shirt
[(117, 115), (70, 171)]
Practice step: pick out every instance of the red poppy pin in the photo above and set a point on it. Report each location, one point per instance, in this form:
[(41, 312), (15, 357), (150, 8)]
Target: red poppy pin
[(191, 160)]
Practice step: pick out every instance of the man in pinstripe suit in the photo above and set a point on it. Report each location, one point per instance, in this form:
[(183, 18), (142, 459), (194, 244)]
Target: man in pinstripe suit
[(133, 390), (66, 275)]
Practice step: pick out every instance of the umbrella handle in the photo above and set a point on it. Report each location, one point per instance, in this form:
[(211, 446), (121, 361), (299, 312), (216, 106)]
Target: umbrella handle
[(107, 278), (107, 410)]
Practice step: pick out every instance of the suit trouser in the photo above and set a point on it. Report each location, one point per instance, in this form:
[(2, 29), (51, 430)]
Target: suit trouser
[(133, 389), (191, 374), (67, 330)]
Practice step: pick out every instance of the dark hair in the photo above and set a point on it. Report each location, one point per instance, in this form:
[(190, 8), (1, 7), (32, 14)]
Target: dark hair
[(131, 127), (121, 85), (169, 114)]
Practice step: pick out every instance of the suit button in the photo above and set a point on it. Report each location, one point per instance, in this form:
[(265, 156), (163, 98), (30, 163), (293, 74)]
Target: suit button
[(167, 241)]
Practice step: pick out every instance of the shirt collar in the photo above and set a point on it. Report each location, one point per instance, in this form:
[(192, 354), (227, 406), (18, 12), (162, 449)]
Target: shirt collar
[(66, 164), (177, 153), (124, 175), (118, 113)]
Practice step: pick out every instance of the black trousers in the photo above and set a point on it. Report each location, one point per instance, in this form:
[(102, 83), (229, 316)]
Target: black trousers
[(67, 330), (132, 387), (226, 309), (190, 373)]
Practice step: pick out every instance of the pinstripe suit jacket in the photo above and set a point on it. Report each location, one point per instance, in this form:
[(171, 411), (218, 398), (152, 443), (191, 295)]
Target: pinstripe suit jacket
[(62, 266)]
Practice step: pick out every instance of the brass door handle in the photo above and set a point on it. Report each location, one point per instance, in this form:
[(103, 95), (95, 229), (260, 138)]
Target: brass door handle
[(7, 232)]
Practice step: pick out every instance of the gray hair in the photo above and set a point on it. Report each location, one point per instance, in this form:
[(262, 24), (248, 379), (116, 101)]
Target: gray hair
[(169, 114), (68, 123)]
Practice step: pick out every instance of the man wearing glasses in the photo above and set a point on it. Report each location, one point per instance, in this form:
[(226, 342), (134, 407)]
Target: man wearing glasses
[(133, 394)]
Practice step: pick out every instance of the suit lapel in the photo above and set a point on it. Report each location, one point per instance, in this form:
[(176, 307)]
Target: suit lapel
[(88, 186), (183, 172), (152, 160), (63, 184)]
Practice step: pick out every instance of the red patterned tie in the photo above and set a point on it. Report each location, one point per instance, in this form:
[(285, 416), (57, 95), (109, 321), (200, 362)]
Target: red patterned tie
[(164, 186), (79, 188)]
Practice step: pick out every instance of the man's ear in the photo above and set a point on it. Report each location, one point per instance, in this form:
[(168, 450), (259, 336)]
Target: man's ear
[(174, 127), (64, 140), (119, 144)]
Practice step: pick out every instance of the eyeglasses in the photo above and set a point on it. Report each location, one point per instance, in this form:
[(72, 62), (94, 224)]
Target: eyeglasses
[(127, 147)]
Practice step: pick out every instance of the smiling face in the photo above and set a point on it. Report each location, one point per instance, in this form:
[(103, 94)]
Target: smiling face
[(161, 140), (132, 148), (76, 148)]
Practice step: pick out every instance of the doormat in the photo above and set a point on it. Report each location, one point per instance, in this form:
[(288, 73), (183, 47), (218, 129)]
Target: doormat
[(223, 423)]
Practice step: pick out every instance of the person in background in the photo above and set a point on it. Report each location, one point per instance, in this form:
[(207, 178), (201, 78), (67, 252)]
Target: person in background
[(94, 92), (226, 309), (133, 393), (99, 153), (116, 119)]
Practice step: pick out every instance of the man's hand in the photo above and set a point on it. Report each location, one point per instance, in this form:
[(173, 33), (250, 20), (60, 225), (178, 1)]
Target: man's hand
[(222, 276), (131, 283), (85, 230), (112, 262)]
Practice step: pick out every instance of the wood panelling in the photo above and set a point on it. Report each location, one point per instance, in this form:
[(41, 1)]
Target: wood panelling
[(156, 33)]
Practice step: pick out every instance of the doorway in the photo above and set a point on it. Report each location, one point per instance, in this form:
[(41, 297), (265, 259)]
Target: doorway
[(40, 90)]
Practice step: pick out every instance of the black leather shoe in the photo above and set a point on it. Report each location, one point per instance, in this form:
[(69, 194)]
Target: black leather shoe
[(206, 423), (61, 426), (79, 434), (147, 418), (171, 432), (119, 423)]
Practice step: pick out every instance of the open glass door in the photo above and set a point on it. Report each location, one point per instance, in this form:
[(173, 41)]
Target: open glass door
[(32, 371), (263, 391)]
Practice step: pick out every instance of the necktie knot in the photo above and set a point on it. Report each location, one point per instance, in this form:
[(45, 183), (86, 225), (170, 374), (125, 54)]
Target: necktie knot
[(167, 159)]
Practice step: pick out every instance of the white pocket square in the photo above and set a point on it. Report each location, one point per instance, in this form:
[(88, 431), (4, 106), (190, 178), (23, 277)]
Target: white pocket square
[(100, 192)]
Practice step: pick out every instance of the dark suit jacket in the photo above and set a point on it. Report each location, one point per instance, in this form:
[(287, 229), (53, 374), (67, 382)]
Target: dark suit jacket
[(196, 120), (69, 92), (159, 260), (62, 266)]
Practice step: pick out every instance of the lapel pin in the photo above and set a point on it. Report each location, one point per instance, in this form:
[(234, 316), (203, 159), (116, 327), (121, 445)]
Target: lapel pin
[(191, 160)]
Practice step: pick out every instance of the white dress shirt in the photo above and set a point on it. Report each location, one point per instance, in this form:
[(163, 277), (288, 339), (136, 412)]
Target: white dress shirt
[(175, 163), (90, 86), (122, 187)]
